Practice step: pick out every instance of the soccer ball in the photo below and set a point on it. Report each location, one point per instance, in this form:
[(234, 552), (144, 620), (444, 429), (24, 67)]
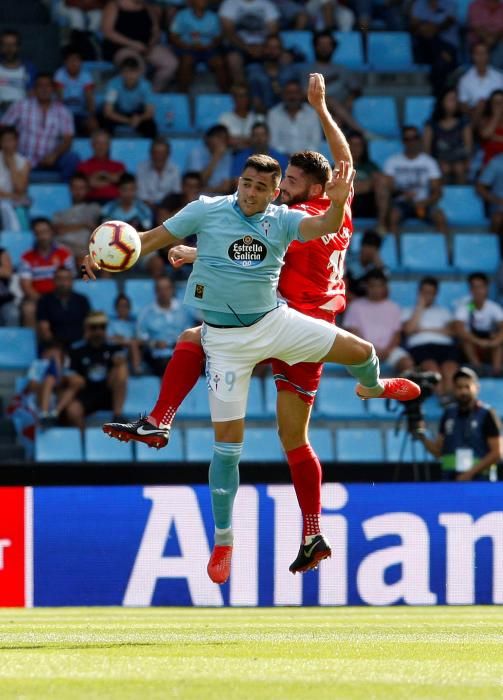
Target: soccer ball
[(115, 246)]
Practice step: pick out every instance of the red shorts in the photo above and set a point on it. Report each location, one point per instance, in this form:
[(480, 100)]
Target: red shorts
[(302, 379)]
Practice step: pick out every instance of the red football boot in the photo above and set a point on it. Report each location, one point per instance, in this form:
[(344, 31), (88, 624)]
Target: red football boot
[(398, 388), (219, 565)]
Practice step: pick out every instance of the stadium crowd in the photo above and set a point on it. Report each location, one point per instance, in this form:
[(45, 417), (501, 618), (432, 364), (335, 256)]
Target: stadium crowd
[(117, 58)]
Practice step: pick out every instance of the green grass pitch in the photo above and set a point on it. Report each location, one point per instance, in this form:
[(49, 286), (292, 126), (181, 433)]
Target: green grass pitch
[(251, 654)]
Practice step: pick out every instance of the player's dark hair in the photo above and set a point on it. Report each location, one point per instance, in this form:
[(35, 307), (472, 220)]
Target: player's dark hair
[(314, 165), (478, 276), (372, 238), (430, 281), (264, 164), (126, 179)]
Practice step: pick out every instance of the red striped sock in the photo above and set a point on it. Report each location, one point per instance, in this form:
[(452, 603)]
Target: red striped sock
[(179, 378), (305, 469)]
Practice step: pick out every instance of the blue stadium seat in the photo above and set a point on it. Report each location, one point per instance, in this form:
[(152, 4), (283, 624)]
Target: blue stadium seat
[(46, 200), (255, 407), (141, 395), (101, 294), (141, 293), (82, 146), (389, 252), (390, 51), (16, 243), (381, 149), (172, 112), (378, 115), (17, 348), (174, 452), (462, 206), (198, 444), (349, 51), (476, 252), (418, 110), (196, 404), (337, 399), (401, 448), (403, 292), (209, 107), (322, 443), (451, 292), (58, 445), (299, 40), (424, 252), (359, 445), (270, 395), (99, 447), (262, 445), (181, 149), (491, 392), (131, 152)]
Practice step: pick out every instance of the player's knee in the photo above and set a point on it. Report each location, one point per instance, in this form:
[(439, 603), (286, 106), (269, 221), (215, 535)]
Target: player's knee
[(191, 335), (362, 351)]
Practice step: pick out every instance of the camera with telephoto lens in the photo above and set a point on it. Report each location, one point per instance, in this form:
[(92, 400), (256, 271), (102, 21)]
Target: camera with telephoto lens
[(412, 410)]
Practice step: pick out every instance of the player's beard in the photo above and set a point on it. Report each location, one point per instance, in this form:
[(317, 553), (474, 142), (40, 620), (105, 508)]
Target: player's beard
[(292, 200)]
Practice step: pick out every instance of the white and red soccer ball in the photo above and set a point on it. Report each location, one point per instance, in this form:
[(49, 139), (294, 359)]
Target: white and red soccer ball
[(115, 246)]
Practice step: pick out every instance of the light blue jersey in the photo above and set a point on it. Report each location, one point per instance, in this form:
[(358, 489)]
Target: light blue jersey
[(239, 258)]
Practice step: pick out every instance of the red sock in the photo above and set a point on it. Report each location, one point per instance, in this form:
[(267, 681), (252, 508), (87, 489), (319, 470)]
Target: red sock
[(179, 378), (305, 469)]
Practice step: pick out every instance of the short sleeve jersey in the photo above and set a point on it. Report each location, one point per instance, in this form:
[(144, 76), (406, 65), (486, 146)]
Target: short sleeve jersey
[(193, 29), (312, 279), (238, 257)]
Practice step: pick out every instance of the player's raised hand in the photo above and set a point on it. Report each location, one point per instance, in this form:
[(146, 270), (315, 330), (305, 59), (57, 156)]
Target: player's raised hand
[(180, 255), (339, 187), (88, 268), (316, 91)]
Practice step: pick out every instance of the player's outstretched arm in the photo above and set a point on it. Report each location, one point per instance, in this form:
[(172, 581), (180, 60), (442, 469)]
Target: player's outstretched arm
[(337, 190), (337, 142), (152, 240)]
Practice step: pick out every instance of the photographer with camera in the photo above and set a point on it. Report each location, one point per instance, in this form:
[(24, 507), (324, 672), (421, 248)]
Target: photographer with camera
[(468, 443)]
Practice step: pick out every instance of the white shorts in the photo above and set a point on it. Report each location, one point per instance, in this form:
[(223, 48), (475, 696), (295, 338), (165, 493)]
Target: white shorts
[(232, 353)]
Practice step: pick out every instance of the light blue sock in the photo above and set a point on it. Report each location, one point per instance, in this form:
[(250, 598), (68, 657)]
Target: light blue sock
[(224, 482), (368, 372)]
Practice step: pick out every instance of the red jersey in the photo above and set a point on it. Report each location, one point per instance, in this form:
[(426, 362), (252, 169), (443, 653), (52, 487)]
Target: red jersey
[(312, 278), (40, 268), (92, 166)]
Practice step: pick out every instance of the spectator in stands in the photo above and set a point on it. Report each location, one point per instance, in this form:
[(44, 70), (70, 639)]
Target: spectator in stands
[(267, 76), (292, 14), (485, 22), (16, 75), (371, 191), (45, 128), (428, 329), (129, 101), (341, 85), (160, 324), (379, 320), (448, 138), (478, 83), (214, 161), (102, 173), (479, 326), (128, 207), (246, 25), (293, 123), (61, 313), (196, 34), (365, 261), (393, 14), (75, 224), (9, 314), (14, 177), (131, 30), (469, 436), (101, 371), (122, 331), (75, 87), (491, 126), (330, 14), (490, 188), (259, 143), (82, 15), (38, 267), (415, 181), (240, 121), (159, 176), (435, 38)]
